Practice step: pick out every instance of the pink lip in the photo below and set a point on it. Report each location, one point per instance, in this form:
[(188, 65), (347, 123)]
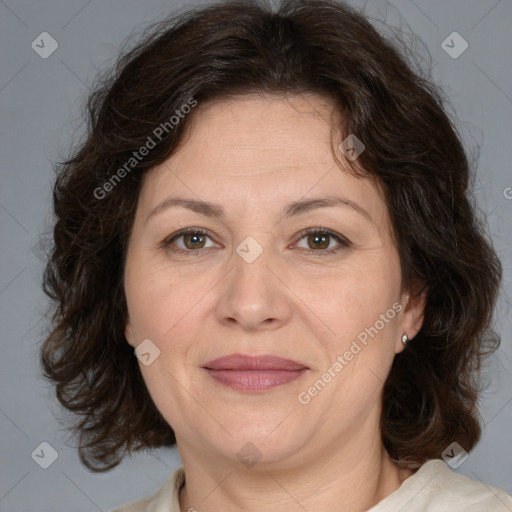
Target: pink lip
[(243, 362), (254, 373)]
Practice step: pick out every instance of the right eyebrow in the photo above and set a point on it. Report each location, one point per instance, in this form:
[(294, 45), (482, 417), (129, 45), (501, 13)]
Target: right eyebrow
[(201, 207)]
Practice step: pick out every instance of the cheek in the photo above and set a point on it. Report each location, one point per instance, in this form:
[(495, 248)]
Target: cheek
[(165, 310), (159, 301), (354, 299), (362, 313)]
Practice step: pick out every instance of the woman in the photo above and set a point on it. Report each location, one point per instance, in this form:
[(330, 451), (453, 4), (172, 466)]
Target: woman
[(264, 253)]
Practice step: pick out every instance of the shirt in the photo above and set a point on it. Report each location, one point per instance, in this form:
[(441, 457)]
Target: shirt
[(433, 488)]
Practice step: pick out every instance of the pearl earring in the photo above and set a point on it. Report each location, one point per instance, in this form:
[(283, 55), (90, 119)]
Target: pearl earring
[(405, 339)]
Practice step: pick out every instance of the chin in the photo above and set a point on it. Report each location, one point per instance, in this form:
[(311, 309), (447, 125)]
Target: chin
[(260, 444)]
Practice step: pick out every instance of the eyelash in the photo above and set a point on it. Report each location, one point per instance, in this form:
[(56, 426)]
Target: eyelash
[(343, 242)]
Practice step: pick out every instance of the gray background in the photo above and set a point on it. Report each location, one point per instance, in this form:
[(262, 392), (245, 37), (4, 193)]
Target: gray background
[(40, 102)]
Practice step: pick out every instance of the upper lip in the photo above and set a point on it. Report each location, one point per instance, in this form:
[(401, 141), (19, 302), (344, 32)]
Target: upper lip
[(246, 362)]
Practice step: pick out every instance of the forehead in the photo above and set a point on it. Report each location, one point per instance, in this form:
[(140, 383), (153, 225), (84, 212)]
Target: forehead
[(258, 151)]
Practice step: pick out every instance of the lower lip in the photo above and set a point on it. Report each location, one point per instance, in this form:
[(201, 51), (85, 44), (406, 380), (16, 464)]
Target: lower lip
[(255, 380)]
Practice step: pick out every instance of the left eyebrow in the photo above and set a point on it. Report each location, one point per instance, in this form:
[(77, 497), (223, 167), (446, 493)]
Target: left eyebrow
[(304, 206)]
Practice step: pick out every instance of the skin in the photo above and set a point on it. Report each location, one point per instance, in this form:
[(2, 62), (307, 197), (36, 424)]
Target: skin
[(252, 156)]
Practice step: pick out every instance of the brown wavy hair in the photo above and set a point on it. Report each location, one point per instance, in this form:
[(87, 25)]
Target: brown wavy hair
[(412, 148)]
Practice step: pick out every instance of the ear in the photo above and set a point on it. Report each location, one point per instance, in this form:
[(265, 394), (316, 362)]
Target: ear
[(128, 333), (411, 320)]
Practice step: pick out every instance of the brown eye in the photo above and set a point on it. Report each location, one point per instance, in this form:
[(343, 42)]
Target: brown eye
[(189, 240), (318, 241), (322, 241), (194, 240)]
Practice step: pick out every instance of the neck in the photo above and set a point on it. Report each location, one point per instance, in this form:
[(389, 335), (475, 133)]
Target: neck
[(352, 481)]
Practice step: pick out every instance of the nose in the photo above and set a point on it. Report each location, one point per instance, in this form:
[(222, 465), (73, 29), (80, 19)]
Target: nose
[(252, 297)]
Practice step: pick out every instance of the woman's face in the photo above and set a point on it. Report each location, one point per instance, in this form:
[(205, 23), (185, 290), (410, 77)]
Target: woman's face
[(248, 280)]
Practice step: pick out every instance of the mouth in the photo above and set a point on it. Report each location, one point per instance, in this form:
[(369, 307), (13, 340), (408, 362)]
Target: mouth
[(254, 373)]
